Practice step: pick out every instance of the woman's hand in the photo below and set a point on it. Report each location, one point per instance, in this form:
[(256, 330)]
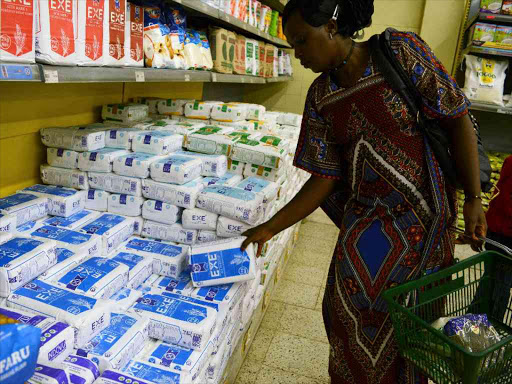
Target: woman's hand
[(475, 224), (258, 235)]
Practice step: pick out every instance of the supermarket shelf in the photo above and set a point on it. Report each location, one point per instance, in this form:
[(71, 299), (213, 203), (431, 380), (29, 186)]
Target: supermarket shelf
[(170, 75), (230, 21), (490, 108), (239, 79), (494, 18), (279, 79), (487, 51), (278, 5), (19, 72)]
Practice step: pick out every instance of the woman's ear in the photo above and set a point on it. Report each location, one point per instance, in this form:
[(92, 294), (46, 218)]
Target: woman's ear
[(331, 28)]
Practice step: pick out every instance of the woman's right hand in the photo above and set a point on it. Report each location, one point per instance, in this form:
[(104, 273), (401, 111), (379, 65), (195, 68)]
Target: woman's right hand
[(258, 235)]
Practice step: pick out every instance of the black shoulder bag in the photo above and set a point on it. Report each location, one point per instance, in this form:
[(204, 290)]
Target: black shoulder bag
[(399, 80)]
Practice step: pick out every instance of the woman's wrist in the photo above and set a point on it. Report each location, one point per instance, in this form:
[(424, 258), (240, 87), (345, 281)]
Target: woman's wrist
[(468, 198)]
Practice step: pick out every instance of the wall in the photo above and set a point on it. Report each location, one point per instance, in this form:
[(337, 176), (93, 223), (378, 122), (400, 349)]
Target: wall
[(25, 108)]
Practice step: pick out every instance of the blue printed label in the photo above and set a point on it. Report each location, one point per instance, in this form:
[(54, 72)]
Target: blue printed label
[(55, 373), (129, 161), (168, 354), (90, 194), (129, 259), (103, 223), (60, 152), (52, 190), (220, 264), (253, 184), (113, 134), (141, 370), (172, 308), (147, 139), (67, 221), (122, 377), (171, 284), (167, 167), (236, 193), (83, 363), (194, 300), (16, 199), (92, 156), (155, 247), (63, 254), (15, 248), (62, 235), (158, 205), (88, 273), (122, 199)]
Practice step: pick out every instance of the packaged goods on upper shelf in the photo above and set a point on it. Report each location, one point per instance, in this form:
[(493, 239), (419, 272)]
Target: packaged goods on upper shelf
[(74, 221), (57, 157), (197, 51), (93, 22), (222, 44), (270, 51), (97, 200), (239, 60), (229, 112), (113, 229), (140, 267), (172, 107), (22, 260), (266, 18), (176, 169), (222, 262), (161, 212), (251, 57), (269, 151), (229, 179), (491, 6), (135, 164), (169, 232), (7, 223), (227, 227), (485, 79), (115, 34), (262, 59), (74, 240), (184, 196), (114, 183), (124, 113), (506, 8), (199, 219), (213, 165), (66, 259), (125, 205), (18, 33), (482, 32), (100, 160), (62, 202), (134, 34), (74, 138), (157, 142), (211, 140), (25, 207), (88, 316), (81, 370), (169, 259), (503, 34), (55, 39)]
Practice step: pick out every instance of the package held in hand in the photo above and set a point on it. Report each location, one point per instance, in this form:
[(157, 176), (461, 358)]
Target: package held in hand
[(195, 218), (97, 200), (76, 241), (62, 158), (74, 138), (63, 202), (135, 164), (172, 107), (169, 232), (222, 262), (181, 285), (121, 138), (66, 260), (81, 370), (229, 179), (74, 221), (25, 207), (227, 227), (101, 160), (7, 223), (178, 322), (115, 183), (113, 229), (23, 259), (232, 202), (56, 337), (176, 169), (213, 165), (157, 142), (169, 259), (125, 113), (161, 212), (184, 196), (125, 205), (117, 344), (140, 267)]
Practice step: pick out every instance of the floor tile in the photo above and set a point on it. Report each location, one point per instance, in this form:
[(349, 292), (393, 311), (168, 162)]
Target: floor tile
[(312, 244), (318, 306), (260, 344), (272, 375), (273, 315), (303, 322), (310, 258), (299, 355), (297, 294), (319, 217), (299, 273), (319, 231), (248, 372)]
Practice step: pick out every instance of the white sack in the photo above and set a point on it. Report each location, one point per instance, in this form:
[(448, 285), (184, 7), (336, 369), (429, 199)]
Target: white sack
[(121, 137), (125, 205), (161, 212), (124, 113), (135, 164), (139, 267), (81, 370), (199, 109), (157, 142), (97, 200), (7, 223), (101, 160), (62, 158), (169, 232), (270, 174), (115, 183), (172, 107), (64, 177), (213, 165), (229, 179), (236, 167), (66, 260), (49, 373), (176, 169), (227, 227), (194, 218), (184, 196), (113, 229), (289, 119), (211, 140), (75, 241), (205, 236), (124, 298), (229, 112), (74, 221), (181, 285), (62, 202), (73, 138)]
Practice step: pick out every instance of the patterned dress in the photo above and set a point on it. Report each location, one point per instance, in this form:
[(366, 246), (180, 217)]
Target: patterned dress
[(392, 205)]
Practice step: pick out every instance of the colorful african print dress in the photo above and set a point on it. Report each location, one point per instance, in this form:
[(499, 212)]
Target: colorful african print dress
[(392, 205)]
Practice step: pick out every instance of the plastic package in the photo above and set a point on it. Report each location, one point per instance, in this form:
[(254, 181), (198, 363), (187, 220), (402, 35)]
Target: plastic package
[(97, 200), (172, 107), (259, 171), (184, 128), (269, 151), (485, 79), (92, 25), (124, 113), (227, 227), (135, 164), (19, 31), (184, 196), (474, 332), (222, 50), (62, 158), (134, 36), (74, 221), (66, 260), (7, 223), (236, 167), (74, 138), (62, 202), (76, 241), (100, 160), (115, 183), (176, 169), (229, 179), (213, 165), (81, 370), (205, 236), (49, 372), (211, 140), (200, 109), (64, 177), (181, 285), (121, 138), (113, 229), (199, 219), (161, 212), (125, 205), (157, 142), (169, 232), (139, 267), (30, 226), (229, 112), (125, 298)]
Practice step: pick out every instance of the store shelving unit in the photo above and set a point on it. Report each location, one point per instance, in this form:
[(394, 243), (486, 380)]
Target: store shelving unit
[(490, 108)]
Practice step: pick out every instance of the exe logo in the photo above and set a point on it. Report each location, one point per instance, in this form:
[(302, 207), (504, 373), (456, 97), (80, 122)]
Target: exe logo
[(62, 5)]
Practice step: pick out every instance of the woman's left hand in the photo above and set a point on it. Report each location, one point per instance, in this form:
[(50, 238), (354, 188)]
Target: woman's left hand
[(475, 224)]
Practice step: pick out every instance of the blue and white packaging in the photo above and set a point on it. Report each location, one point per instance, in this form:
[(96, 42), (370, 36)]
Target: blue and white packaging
[(71, 178), (195, 218), (62, 202), (97, 200), (62, 158), (73, 240), (222, 262), (226, 296), (189, 362), (157, 142), (29, 227), (269, 189), (117, 344), (26, 207), (125, 205), (138, 224), (135, 164), (5, 237), (232, 202), (23, 259), (169, 232), (161, 212), (227, 227), (176, 169), (49, 373), (87, 316), (66, 260), (140, 267), (74, 221), (121, 137), (75, 138), (113, 230), (176, 321), (81, 370), (154, 373), (169, 259), (184, 196), (181, 285), (119, 377), (96, 277), (204, 236), (218, 363), (229, 179), (111, 182), (7, 223), (101, 160), (56, 337), (124, 299)]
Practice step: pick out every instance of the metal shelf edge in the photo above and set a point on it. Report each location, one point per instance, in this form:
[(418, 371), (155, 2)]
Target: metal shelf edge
[(279, 79), (491, 108), (233, 78)]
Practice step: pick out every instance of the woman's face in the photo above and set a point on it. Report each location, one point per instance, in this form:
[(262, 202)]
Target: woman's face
[(312, 45)]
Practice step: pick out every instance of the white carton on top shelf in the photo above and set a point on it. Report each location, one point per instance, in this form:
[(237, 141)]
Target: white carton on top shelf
[(71, 178), (134, 36), (114, 183), (213, 165), (74, 138), (97, 200), (74, 221), (100, 160), (121, 137), (161, 212), (62, 158), (92, 25), (140, 267), (227, 227), (124, 113), (157, 142), (86, 315), (66, 259), (56, 32), (22, 260), (74, 240), (176, 169), (172, 107), (135, 164), (184, 196), (17, 32), (229, 179), (125, 205), (115, 41), (81, 370), (169, 232), (7, 223), (61, 201), (113, 229), (25, 207), (195, 218)]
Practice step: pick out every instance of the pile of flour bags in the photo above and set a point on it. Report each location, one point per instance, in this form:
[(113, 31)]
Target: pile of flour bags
[(127, 259)]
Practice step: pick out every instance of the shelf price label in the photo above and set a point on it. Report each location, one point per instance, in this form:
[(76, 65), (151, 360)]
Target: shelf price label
[(187, 77), (51, 76), (139, 77), (214, 77)]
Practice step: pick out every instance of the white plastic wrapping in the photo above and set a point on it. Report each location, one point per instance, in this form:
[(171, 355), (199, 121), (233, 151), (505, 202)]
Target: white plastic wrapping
[(121, 137), (229, 112), (113, 229), (74, 221), (270, 174), (236, 167), (62, 158), (115, 183), (184, 196), (161, 212), (139, 267), (125, 298), (100, 160), (289, 119), (157, 142), (125, 205), (7, 223), (169, 232), (97, 200), (184, 128), (227, 227), (62, 202), (73, 138), (229, 179), (47, 372), (172, 106), (176, 169), (124, 113), (181, 285), (269, 151), (135, 164), (199, 109), (75, 241), (211, 140), (66, 260), (64, 177), (194, 218), (213, 165)]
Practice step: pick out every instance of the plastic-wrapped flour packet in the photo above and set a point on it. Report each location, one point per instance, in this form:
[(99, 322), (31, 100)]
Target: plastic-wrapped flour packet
[(161, 212), (176, 169), (62, 158), (125, 205), (196, 218), (135, 164), (205, 236), (62, 202), (140, 267), (81, 370), (184, 196), (169, 232), (25, 207), (157, 142), (97, 200), (101, 160), (113, 230), (51, 373), (181, 285)]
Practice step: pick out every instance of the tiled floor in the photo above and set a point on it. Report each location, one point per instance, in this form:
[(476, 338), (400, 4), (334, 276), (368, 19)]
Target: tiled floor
[(291, 345)]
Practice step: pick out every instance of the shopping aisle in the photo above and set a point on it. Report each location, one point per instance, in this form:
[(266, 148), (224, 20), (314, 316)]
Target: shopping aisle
[(291, 345)]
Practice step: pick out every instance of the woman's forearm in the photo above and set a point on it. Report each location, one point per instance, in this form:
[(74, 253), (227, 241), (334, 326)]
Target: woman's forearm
[(310, 197)]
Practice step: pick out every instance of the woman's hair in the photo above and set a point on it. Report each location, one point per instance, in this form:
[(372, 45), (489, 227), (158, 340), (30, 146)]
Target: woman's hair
[(354, 15)]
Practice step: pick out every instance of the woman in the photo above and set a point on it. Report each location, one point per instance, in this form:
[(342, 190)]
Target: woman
[(374, 176)]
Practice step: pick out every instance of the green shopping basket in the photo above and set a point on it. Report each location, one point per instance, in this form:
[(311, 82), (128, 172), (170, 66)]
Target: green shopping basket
[(478, 285)]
